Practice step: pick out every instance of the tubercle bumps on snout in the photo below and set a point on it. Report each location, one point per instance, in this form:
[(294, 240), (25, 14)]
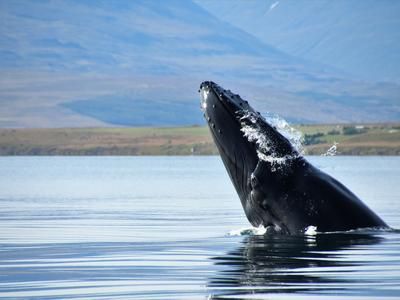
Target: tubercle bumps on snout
[(246, 116), (223, 95)]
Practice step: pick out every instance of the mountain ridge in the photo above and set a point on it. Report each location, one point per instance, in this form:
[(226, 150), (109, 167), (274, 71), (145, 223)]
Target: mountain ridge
[(358, 37), (105, 63)]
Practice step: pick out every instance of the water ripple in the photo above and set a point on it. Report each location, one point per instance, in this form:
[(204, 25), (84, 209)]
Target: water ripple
[(158, 228)]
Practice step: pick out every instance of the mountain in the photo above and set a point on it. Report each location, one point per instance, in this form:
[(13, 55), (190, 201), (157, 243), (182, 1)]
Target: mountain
[(361, 38), (70, 63), (145, 36)]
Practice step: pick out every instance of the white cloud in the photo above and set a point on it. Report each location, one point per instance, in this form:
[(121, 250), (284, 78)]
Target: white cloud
[(273, 5)]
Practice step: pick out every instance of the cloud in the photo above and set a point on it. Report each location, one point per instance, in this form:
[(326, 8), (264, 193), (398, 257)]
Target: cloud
[(273, 5)]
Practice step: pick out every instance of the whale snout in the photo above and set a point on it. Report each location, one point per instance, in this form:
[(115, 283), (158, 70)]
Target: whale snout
[(213, 96), (221, 110)]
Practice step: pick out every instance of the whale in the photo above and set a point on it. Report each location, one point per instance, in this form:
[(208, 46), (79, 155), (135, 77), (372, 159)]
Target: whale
[(277, 186)]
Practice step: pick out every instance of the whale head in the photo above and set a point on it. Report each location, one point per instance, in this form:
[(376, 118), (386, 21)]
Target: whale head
[(245, 141)]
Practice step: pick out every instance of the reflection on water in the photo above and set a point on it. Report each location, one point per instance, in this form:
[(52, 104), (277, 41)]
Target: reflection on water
[(111, 270), (331, 264), (158, 228)]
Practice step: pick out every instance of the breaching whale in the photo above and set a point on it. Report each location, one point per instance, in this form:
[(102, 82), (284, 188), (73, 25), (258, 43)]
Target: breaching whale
[(277, 186)]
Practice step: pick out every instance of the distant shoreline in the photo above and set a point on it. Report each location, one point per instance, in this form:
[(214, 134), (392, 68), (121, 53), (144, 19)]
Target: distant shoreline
[(352, 139)]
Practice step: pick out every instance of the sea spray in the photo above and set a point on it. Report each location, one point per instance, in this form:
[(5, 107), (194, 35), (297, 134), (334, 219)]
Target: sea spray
[(294, 136), (260, 230), (266, 152), (332, 151)]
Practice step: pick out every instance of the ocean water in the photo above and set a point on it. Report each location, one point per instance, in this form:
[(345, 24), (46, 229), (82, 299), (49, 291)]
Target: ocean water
[(173, 228)]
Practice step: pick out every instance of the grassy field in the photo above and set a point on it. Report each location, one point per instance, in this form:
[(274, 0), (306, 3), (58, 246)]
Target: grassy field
[(366, 139)]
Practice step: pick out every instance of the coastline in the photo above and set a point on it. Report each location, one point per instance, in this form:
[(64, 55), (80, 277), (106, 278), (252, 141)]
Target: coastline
[(351, 139)]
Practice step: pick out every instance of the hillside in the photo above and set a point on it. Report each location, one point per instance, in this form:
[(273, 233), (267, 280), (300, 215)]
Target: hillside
[(359, 37), (139, 63), (367, 139)]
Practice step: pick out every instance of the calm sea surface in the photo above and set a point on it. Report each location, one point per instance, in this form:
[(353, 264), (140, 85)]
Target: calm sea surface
[(173, 228)]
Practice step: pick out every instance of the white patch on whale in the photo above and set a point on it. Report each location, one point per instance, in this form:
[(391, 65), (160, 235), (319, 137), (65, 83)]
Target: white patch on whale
[(203, 102)]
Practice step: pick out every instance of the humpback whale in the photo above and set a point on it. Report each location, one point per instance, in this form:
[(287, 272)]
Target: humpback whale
[(278, 188)]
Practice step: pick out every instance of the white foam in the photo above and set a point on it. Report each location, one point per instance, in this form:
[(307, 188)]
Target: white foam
[(254, 134), (260, 230), (310, 230), (294, 136)]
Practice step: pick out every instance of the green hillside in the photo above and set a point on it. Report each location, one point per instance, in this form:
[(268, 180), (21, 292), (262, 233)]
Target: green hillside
[(366, 139)]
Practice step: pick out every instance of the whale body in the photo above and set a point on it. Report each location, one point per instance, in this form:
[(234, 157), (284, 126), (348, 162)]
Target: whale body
[(278, 188)]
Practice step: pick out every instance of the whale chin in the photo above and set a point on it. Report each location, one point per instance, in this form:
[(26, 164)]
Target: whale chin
[(277, 187)]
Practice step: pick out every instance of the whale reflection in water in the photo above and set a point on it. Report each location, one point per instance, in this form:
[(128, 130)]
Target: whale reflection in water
[(325, 263)]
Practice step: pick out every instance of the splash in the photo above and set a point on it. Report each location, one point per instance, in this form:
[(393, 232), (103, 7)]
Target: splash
[(261, 230), (332, 151), (254, 134), (294, 136), (310, 230)]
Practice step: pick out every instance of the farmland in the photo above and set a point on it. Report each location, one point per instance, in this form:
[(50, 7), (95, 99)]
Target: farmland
[(354, 139)]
